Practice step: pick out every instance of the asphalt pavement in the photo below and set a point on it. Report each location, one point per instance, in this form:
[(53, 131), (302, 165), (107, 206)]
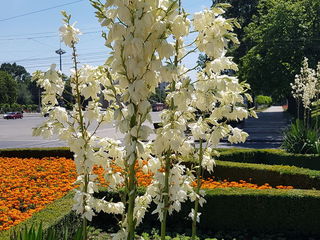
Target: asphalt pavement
[(267, 130), (17, 133), (264, 132)]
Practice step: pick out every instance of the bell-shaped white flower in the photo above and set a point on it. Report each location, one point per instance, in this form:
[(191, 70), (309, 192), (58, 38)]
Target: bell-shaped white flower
[(69, 34)]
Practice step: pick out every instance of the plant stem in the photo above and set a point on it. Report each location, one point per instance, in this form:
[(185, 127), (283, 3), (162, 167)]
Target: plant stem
[(298, 103), (166, 197), (196, 203), (83, 133), (132, 197), (132, 186)]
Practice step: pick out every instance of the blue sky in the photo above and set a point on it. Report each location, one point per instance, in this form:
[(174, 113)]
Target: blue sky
[(31, 40)]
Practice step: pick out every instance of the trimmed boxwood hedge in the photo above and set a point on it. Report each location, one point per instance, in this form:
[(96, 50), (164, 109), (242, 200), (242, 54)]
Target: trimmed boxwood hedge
[(275, 175), (270, 157), (57, 215), (36, 152), (263, 156), (292, 212), (236, 168)]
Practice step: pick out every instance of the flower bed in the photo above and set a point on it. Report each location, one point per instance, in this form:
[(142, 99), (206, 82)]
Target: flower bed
[(28, 185), (210, 183)]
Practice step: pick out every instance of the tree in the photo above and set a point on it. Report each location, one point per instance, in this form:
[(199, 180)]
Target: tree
[(280, 35), (28, 91), (19, 73), (24, 95), (243, 11), (159, 96), (8, 88)]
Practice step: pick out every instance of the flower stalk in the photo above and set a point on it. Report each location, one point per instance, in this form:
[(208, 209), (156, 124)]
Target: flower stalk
[(197, 190), (83, 135)]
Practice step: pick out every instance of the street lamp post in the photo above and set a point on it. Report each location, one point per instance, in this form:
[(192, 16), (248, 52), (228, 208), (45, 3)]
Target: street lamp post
[(60, 52)]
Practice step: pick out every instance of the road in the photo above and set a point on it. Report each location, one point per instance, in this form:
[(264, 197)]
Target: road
[(264, 132), (267, 130), (17, 133)]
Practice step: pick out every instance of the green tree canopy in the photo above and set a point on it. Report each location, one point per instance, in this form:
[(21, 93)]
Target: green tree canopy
[(28, 92), (8, 88), (19, 73), (243, 11), (280, 35)]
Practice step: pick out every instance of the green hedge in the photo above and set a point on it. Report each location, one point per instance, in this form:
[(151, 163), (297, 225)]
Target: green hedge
[(275, 175), (263, 156), (269, 211), (263, 100), (270, 157), (5, 107), (57, 215), (36, 152), (294, 213), (238, 170)]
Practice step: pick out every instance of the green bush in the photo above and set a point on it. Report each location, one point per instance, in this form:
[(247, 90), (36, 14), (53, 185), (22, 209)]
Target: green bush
[(37, 233), (34, 108), (5, 108), (294, 213), (299, 138), (267, 171), (268, 211), (263, 100), (275, 175), (264, 156), (37, 152), (17, 107), (270, 157)]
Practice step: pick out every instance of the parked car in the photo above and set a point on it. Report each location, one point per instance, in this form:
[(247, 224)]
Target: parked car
[(13, 115), (156, 107)]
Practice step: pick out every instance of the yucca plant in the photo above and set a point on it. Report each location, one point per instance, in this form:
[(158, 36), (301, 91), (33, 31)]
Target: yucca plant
[(300, 139), (37, 233)]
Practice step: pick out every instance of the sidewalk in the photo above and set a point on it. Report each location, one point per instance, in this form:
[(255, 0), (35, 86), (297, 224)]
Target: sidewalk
[(266, 131)]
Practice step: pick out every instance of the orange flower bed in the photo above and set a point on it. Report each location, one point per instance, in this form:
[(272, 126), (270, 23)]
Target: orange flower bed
[(28, 185), (210, 183), (143, 179)]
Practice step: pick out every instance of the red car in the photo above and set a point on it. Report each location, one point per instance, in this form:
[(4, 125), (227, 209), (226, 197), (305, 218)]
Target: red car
[(13, 115)]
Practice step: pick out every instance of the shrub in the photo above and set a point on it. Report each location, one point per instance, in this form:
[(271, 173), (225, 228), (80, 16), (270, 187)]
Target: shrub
[(255, 166), (299, 138), (274, 175), (270, 157), (268, 211), (34, 108), (5, 108), (17, 107), (293, 212), (36, 233), (37, 152), (263, 100)]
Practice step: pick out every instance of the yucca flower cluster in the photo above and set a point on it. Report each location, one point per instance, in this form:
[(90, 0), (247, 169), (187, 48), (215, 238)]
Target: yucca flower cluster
[(147, 46), (306, 85)]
